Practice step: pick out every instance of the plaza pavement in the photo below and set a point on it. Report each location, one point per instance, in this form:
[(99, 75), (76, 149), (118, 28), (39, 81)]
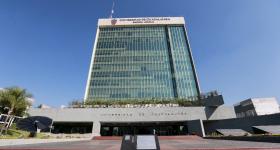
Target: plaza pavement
[(166, 143), (14, 142)]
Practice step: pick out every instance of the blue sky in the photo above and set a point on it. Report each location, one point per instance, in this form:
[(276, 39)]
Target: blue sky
[(46, 45)]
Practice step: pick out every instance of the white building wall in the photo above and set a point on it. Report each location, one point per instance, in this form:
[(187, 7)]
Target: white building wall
[(141, 21), (266, 106), (149, 114)]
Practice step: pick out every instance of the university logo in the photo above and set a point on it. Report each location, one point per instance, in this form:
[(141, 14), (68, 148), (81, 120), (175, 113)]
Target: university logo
[(113, 21)]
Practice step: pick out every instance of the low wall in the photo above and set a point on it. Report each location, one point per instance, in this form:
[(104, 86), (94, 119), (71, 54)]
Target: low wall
[(272, 139)]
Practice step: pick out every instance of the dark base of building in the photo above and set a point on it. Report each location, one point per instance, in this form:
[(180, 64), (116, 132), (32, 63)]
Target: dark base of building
[(120, 129), (138, 128)]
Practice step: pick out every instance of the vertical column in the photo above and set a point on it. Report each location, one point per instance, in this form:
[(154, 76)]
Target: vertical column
[(96, 128), (90, 68)]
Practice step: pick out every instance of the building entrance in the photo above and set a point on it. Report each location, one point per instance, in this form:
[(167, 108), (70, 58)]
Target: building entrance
[(138, 128), (72, 127)]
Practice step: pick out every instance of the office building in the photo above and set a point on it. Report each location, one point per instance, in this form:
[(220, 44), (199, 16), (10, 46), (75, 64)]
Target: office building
[(142, 58)]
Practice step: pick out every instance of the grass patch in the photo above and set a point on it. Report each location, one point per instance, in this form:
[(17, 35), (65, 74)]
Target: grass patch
[(14, 133)]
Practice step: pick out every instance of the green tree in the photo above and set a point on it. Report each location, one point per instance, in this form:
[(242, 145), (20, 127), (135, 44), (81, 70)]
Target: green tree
[(15, 99)]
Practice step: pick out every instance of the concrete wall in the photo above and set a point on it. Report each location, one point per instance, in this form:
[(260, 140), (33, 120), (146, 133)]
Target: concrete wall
[(122, 114), (221, 112), (241, 123), (257, 106), (134, 114), (266, 106)]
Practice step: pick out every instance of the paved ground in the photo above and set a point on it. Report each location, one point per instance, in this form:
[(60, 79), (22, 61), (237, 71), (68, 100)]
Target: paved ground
[(165, 144), (9, 142)]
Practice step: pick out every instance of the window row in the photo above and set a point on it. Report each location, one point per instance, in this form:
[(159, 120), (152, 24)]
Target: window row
[(101, 68), (123, 52), (128, 82), (128, 59), (134, 44), (154, 74), (131, 34)]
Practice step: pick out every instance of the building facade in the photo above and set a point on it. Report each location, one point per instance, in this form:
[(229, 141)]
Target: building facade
[(142, 58), (257, 107), (141, 120)]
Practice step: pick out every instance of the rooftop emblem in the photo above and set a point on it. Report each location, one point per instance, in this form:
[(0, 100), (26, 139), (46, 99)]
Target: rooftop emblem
[(113, 21)]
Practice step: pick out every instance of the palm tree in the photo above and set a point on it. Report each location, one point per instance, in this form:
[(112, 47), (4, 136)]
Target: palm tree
[(16, 100)]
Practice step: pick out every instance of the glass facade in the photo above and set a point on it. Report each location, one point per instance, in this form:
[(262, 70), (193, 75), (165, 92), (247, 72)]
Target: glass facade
[(183, 70), (142, 62)]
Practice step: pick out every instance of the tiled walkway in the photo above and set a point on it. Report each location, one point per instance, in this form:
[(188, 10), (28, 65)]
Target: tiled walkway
[(166, 143)]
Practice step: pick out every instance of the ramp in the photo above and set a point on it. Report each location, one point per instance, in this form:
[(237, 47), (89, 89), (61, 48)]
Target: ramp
[(232, 132), (271, 129)]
